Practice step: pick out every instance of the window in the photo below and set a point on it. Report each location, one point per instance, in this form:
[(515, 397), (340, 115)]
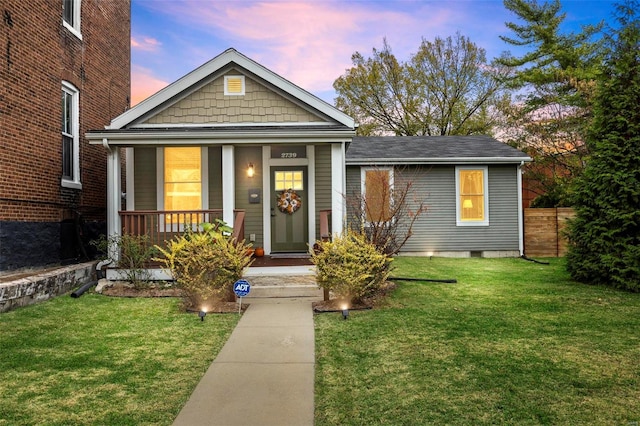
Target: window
[(71, 16), (70, 136), (472, 196), (234, 85), (182, 179), (377, 189), (284, 180)]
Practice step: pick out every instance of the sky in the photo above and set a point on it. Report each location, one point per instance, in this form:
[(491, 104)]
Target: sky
[(310, 43)]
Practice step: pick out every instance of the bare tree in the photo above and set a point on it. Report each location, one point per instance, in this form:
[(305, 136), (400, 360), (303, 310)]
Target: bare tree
[(446, 88)]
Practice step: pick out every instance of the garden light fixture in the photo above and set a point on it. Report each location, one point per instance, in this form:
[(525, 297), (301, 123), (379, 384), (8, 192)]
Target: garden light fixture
[(345, 311), (202, 314)]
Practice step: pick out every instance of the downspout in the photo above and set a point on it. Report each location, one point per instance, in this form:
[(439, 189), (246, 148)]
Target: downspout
[(520, 211), (113, 199)]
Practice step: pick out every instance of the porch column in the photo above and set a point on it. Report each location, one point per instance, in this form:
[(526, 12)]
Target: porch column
[(114, 197), (338, 186), (228, 184)]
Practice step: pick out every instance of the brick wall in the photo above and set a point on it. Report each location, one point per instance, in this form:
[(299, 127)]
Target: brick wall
[(38, 53)]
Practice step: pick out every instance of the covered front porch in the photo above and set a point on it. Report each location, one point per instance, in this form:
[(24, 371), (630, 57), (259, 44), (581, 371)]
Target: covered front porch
[(160, 226), (232, 141)]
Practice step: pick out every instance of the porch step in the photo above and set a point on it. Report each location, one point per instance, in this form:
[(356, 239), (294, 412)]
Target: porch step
[(283, 286)]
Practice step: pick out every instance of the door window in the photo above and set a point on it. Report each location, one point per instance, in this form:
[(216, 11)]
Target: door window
[(293, 179)]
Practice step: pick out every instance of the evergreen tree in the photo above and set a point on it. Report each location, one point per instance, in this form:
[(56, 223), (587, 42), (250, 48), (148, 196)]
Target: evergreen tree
[(605, 235), (557, 78)]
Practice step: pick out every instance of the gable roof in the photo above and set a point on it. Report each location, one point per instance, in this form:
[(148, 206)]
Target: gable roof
[(431, 150), (227, 58)]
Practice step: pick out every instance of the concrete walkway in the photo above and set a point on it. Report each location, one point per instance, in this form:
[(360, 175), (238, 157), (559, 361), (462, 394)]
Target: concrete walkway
[(264, 374)]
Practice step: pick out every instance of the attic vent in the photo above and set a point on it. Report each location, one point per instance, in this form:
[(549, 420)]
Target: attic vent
[(234, 85)]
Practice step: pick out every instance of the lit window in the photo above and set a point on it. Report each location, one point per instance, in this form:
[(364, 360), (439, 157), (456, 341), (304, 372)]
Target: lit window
[(71, 16), (234, 85), (182, 179), (471, 194), (377, 188), (284, 180), (70, 136)]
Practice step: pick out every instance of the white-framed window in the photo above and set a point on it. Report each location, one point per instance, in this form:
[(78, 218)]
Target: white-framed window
[(182, 186), (234, 85), (377, 193), (70, 136), (71, 16), (472, 196)]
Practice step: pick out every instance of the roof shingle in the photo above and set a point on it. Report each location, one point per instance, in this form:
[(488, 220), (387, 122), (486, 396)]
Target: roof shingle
[(431, 149)]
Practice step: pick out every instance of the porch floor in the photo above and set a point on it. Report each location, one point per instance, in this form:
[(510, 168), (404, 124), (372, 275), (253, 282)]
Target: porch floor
[(280, 260)]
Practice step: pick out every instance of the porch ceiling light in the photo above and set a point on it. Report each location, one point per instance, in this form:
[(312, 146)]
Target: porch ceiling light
[(250, 170)]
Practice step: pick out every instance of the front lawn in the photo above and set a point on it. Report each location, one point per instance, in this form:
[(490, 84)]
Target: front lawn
[(101, 360), (513, 342)]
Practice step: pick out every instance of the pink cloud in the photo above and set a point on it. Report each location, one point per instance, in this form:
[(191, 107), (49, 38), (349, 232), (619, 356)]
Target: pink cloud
[(147, 44), (144, 84), (309, 43)]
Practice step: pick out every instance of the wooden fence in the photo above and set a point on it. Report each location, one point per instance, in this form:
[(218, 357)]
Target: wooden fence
[(543, 231)]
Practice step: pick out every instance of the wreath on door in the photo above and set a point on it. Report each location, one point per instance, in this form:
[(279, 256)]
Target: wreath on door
[(289, 201)]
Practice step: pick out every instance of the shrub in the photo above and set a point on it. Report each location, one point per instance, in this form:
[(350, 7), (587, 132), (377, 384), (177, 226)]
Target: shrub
[(350, 266), (205, 265), (135, 252)]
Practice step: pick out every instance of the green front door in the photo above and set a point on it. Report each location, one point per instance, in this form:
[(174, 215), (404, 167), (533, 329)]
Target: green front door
[(289, 230)]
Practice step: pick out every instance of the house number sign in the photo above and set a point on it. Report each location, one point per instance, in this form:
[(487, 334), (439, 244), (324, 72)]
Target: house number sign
[(295, 151)]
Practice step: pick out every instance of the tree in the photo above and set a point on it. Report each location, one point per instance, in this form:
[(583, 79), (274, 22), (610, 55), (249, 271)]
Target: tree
[(447, 88), (604, 237), (557, 78)]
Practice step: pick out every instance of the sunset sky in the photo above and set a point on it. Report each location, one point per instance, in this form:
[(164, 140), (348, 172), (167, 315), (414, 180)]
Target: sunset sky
[(310, 43)]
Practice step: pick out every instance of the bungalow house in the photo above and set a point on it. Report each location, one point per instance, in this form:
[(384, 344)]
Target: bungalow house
[(235, 141)]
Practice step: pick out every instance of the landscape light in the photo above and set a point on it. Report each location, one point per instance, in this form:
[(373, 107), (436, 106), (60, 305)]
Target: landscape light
[(345, 311), (202, 314)]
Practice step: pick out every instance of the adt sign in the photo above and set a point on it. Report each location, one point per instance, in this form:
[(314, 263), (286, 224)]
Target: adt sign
[(241, 288)]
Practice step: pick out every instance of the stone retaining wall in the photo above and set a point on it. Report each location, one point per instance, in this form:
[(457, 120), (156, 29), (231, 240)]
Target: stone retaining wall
[(39, 287)]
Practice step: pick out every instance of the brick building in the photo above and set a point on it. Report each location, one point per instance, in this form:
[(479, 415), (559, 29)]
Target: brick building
[(64, 69)]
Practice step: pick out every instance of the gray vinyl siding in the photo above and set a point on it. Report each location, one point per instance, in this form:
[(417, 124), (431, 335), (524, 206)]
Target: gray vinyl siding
[(436, 230), (323, 182), (253, 219), (145, 187), (215, 177), (353, 187)]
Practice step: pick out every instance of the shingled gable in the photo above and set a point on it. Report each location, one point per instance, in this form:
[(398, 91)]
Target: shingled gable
[(227, 60), (431, 150)]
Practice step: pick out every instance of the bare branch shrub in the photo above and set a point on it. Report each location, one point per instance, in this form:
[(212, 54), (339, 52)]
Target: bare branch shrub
[(386, 211)]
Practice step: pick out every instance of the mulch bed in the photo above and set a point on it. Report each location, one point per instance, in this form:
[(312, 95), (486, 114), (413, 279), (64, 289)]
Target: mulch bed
[(335, 305), (124, 289), (120, 289)]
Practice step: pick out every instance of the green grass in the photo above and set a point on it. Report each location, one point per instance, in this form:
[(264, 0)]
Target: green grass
[(100, 360), (513, 342)]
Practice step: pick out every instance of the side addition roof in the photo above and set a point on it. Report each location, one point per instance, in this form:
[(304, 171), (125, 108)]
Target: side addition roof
[(431, 150)]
